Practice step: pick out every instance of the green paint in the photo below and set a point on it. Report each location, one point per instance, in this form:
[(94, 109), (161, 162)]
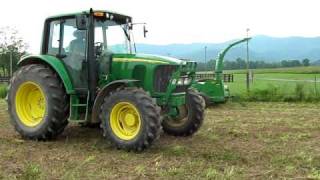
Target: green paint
[(142, 67), (214, 89), (219, 63)]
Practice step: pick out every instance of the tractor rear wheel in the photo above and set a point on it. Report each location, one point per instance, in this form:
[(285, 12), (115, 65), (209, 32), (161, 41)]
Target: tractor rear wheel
[(130, 119), (190, 116), (37, 102)]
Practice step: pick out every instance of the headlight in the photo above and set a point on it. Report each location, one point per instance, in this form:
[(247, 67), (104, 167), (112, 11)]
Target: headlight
[(183, 81), (180, 81), (187, 81)]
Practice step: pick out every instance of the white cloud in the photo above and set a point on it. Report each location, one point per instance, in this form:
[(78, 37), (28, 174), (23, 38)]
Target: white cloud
[(178, 21)]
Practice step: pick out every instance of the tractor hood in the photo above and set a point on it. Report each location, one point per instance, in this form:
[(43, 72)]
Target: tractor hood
[(148, 58)]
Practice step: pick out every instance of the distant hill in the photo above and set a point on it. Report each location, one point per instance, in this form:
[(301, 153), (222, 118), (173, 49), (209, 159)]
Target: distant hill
[(261, 48)]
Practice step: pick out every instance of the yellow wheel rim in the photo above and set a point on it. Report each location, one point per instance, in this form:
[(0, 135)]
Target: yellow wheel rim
[(125, 120), (30, 104)]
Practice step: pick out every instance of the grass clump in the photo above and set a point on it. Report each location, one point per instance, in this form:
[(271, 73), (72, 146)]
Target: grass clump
[(31, 172), (176, 150), (272, 93), (228, 173)]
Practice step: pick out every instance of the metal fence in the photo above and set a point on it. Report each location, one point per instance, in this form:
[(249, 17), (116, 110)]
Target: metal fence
[(4, 75), (226, 77), (4, 79)]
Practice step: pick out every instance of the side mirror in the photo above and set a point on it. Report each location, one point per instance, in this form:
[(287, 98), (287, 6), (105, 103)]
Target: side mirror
[(81, 22), (145, 31)]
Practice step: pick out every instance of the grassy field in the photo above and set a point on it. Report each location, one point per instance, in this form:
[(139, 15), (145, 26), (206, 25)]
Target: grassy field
[(291, 70), (237, 141), (281, 84)]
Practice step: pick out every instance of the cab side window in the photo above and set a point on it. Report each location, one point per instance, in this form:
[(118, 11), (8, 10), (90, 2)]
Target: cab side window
[(54, 35), (73, 40)]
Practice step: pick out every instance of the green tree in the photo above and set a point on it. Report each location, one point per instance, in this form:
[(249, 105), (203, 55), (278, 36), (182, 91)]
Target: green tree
[(290, 63), (241, 63), (11, 42), (306, 62)]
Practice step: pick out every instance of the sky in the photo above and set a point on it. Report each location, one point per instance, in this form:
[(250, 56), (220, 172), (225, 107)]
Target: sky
[(169, 21)]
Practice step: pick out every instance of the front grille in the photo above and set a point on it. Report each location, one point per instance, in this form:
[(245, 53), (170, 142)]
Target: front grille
[(182, 88), (162, 78)]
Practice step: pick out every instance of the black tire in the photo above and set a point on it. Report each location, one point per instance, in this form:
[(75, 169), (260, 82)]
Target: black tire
[(57, 102), (207, 102), (150, 118), (191, 121)]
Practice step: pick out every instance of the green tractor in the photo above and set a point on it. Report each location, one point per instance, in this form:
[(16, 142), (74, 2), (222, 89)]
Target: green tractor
[(89, 73), (214, 91)]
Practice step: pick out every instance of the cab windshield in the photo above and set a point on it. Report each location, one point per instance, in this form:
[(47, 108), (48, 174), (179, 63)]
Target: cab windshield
[(113, 36)]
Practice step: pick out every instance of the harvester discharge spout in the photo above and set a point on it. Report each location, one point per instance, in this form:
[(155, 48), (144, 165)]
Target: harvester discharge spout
[(219, 63), (214, 90)]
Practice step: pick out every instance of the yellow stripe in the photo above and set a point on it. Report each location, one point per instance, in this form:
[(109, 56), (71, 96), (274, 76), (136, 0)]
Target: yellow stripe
[(139, 60)]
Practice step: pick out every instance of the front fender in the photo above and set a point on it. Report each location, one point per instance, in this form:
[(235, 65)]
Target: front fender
[(105, 92), (55, 63)]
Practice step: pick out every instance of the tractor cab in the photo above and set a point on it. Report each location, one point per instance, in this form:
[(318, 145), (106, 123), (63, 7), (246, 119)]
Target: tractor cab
[(82, 41)]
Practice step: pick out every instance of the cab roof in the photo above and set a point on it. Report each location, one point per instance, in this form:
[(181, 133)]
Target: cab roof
[(115, 14)]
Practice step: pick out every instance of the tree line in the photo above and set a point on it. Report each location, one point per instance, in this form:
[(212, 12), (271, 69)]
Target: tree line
[(240, 63), (11, 44)]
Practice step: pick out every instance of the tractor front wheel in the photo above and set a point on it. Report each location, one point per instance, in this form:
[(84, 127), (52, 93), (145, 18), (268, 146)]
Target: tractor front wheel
[(37, 102), (130, 119), (190, 116)]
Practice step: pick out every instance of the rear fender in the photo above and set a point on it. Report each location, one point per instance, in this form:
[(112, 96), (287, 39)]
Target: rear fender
[(55, 63)]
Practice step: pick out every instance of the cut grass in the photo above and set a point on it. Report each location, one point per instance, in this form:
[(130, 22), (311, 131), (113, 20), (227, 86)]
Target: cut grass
[(236, 141)]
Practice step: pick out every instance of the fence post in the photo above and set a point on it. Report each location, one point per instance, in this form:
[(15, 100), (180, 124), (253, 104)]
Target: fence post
[(252, 77), (11, 64), (2, 71), (248, 82), (315, 85), (5, 71)]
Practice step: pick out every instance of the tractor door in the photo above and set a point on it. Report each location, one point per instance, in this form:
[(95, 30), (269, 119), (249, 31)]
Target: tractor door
[(105, 56), (69, 44)]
